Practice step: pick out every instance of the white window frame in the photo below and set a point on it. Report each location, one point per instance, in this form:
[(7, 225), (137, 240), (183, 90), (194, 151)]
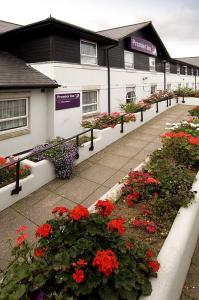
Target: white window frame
[(83, 105), (167, 67), (185, 70), (154, 85), (133, 99), (16, 118), (178, 69), (125, 66), (96, 56), (152, 65)]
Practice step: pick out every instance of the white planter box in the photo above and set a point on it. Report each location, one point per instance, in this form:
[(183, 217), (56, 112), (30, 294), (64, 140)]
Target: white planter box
[(43, 172), (177, 250), (189, 101)]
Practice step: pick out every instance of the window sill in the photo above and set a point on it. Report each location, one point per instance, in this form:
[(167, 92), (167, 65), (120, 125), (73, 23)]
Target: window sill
[(9, 135), (90, 116)]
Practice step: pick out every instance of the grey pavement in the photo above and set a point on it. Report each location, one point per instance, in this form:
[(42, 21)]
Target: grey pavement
[(90, 180)]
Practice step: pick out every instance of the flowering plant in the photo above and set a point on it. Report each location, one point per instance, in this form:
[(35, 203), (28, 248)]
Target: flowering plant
[(105, 120), (135, 107), (79, 255), (194, 112), (62, 156), (159, 96), (8, 173)]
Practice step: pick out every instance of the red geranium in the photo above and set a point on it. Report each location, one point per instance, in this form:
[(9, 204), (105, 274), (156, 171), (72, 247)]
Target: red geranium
[(21, 228), (151, 180), (154, 265), (149, 253), (38, 252), (145, 210), (44, 230), (104, 207), (21, 239), (151, 228), (60, 210), (117, 224), (193, 140), (2, 160), (82, 263), (79, 212), (134, 196), (106, 262), (78, 276)]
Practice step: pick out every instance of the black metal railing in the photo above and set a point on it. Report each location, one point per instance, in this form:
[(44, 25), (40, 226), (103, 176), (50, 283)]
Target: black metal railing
[(76, 137)]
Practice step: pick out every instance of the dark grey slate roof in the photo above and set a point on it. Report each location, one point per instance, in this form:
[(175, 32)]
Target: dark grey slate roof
[(7, 26), (14, 73), (190, 60), (121, 32)]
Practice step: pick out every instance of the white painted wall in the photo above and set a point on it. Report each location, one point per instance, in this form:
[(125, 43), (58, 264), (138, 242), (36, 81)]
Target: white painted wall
[(38, 126)]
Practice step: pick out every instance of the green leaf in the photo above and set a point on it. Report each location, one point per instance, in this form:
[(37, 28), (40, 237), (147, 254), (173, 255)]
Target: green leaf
[(19, 292), (108, 293)]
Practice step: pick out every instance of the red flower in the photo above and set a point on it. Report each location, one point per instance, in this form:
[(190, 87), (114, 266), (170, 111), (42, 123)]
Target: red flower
[(21, 228), (21, 171), (20, 240), (60, 209), (154, 265), (11, 167), (151, 228), (134, 196), (82, 263), (104, 207), (151, 180), (106, 262), (44, 230), (149, 253), (38, 252), (26, 167), (2, 160), (128, 245), (79, 212), (117, 224), (145, 210), (78, 276), (194, 140)]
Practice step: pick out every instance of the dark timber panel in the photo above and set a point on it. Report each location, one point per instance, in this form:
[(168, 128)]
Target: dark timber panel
[(117, 56), (159, 67), (66, 49)]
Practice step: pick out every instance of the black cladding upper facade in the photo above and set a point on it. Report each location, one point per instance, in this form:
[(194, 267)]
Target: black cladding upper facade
[(53, 40)]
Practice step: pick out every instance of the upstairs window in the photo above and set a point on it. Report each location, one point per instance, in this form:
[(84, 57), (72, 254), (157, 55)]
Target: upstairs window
[(130, 94), (185, 70), (192, 71), (153, 88), (88, 53), (152, 64), (13, 114), (128, 60), (178, 69), (167, 67), (89, 102)]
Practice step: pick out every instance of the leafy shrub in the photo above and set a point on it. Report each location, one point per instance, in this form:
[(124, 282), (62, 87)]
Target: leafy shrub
[(186, 92), (62, 156), (194, 112), (105, 120), (79, 256), (8, 174), (135, 107)]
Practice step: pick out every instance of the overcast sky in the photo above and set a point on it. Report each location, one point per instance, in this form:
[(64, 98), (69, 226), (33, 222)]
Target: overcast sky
[(176, 21)]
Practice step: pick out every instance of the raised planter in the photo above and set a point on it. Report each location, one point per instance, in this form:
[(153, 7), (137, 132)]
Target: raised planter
[(177, 250), (189, 100)]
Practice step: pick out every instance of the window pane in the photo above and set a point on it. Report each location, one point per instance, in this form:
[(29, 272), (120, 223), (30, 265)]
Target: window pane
[(6, 125), (12, 108), (88, 60), (89, 97), (129, 59), (88, 49), (89, 108)]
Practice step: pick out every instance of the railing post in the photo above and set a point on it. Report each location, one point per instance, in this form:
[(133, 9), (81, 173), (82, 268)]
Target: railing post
[(77, 144), (183, 101), (176, 99), (167, 101), (122, 124), (17, 187), (142, 117), (92, 146), (157, 110)]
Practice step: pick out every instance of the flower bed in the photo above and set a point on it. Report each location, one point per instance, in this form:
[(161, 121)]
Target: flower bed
[(8, 174), (105, 120), (81, 255)]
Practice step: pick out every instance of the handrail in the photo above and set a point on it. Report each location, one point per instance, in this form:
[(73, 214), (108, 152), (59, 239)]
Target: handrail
[(18, 188)]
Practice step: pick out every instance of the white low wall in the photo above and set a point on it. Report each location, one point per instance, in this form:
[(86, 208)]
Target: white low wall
[(177, 250), (43, 172), (189, 101)]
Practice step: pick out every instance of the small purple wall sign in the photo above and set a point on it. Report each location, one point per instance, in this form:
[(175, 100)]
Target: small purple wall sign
[(67, 100), (142, 45)]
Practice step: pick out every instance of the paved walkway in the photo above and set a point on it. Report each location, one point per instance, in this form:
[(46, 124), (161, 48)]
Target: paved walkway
[(90, 180)]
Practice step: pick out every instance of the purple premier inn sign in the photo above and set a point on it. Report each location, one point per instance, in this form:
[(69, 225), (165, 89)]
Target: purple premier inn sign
[(67, 100), (142, 45)]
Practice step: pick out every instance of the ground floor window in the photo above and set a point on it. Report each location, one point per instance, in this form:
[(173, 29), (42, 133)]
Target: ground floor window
[(130, 94), (13, 114), (89, 102), (153, 88)]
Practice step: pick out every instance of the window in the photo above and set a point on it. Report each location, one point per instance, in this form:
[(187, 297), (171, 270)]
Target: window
[(192, 71), (130, 94), (178, 69), (168, 86), (88, 52), (153, 88), (152, 64), (185, 70), (89, 102), (13, 114), (167, 67), (129, 60)]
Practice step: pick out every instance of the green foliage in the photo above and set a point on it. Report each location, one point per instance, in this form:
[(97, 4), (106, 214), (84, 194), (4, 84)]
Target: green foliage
[(194, 112), (186, 92), (130, 107)]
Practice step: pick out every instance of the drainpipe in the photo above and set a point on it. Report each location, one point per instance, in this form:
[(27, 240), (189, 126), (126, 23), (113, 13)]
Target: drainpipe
[(164, 65), (109, 76), (195, 81)]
